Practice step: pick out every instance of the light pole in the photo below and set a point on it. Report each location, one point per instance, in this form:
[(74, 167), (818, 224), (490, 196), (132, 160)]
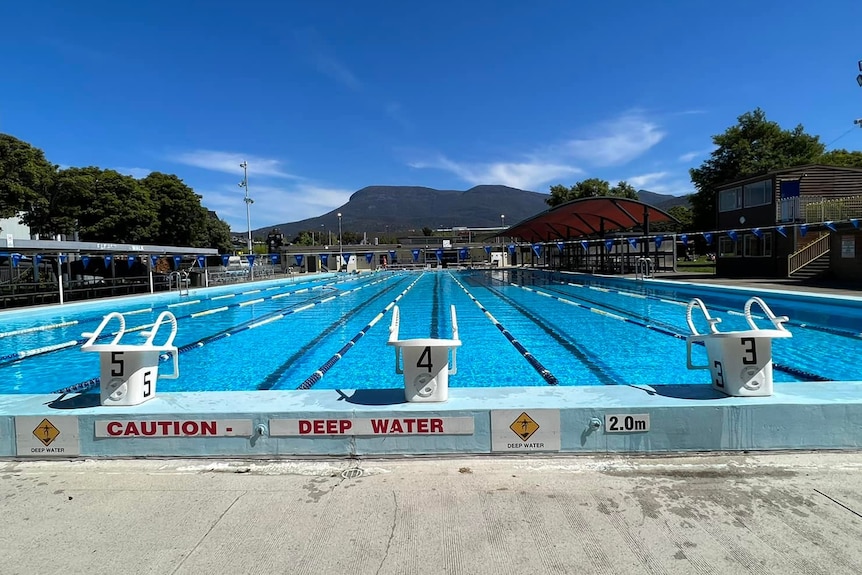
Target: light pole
[(503, 224), (340, 244), (248, 200)]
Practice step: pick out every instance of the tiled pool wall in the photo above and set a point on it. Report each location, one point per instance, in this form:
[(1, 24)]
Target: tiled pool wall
[(608, 419)]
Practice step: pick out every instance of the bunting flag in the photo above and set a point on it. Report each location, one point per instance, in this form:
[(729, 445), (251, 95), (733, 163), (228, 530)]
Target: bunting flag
[(488, 250), (299, 258), (658, 241), (251, 258), (177, 260), (108, 261), (757, 232), (391, 256), (37, 259), (584, 244), (609, 244), (462, 253), (17, 258), (855, 222), (781, 230), (273, 258), (633, 242), (346, 258), (831, 226), (708, 237), (130, 260), (84, 260), (324, 259), (803, 229), (511, 248), (63, 259), (560, 246), (732, 234), (684, 238), (537, 249), (153, 260), (368, 257), (202, 260), (439, 254), (225, 259), (415, 255)]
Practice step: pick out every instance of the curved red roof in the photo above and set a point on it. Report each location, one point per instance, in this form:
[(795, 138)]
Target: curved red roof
[(586, 217)]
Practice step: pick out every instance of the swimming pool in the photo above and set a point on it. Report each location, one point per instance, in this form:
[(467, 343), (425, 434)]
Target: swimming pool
[(578, 330)]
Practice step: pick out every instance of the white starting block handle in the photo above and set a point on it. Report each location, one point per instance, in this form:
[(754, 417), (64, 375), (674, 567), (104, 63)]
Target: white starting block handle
[(777, 321), (92, 337), (710, 320)]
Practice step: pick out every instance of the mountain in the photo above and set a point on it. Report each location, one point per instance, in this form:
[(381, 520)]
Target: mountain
[(401, 210)]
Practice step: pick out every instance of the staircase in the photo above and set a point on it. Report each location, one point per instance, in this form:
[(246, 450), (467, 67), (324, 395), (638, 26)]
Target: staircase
[(810, 262)]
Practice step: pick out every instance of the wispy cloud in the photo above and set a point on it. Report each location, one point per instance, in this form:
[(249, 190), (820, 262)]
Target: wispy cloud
[(321, 56), (526, 175), (615, 142), (273, 204), (609, 143), (136, 173), (662, 183), (689, 156), (334, 69), (646, 180), (229, 163)]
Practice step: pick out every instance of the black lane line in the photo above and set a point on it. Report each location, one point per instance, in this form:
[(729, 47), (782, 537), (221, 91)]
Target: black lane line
[(602, 372), (275, 376), (669, 329)]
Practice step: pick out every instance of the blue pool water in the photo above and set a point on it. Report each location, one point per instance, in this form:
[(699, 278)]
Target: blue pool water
[(578, 330)]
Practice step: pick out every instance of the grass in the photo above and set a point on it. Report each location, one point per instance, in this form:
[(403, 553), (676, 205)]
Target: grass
[(700, 265)]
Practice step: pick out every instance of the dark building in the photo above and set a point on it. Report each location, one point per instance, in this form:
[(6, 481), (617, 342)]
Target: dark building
[(793, 222)]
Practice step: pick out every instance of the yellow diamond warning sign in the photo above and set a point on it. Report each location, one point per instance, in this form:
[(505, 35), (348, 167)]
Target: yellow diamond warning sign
[(46, 432), (524, 426)]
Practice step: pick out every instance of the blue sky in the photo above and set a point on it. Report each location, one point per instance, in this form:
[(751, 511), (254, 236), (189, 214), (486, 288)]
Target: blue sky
[(322, 98)]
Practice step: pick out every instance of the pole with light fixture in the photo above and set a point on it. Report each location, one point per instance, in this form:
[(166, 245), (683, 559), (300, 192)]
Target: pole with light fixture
[(248, 200), (340, 244), (859, 77)]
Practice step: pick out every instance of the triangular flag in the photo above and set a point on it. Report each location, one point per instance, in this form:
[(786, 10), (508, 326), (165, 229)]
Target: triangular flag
[(831, 226), (803, 229), (781, 230)]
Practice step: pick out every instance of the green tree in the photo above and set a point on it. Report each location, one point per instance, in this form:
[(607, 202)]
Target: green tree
[(589, 188), (108, 206), (753, 146), (217, 233), (426, 231), (26, 176), (842, 158), (181, 220)]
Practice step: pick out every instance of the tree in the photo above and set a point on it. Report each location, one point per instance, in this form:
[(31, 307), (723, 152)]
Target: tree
[(181, 220), (25, 176), (590, 188), (754, 146), (108, 206), (426, 231), (217, 233), (841, 158)]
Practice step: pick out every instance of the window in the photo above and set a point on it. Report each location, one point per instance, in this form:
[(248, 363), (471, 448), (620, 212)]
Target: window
[(729, 199), (727, 248), (758, 193), (758, 247)]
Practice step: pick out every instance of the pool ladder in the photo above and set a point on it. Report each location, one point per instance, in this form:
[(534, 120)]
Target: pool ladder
[(643, 268), (181, 279)]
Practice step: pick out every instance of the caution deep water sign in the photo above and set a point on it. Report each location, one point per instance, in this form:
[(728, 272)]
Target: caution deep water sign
[(372, 426), (174, 428)]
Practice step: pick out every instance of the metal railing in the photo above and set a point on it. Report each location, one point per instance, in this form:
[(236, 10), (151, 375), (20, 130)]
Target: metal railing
[(801, 258), (815, 209)]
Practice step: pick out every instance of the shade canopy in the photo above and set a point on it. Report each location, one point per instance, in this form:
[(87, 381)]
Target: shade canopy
[(586, 217)]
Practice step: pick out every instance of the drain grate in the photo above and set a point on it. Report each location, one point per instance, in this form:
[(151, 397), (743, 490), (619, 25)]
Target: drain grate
[(352, 473)]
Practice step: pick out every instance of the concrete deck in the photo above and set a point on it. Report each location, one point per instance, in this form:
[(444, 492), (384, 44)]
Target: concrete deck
[(764, 514)]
